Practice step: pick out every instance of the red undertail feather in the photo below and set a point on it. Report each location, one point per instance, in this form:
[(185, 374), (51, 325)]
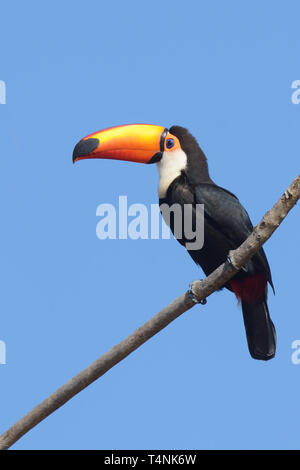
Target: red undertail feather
[(250, 289)]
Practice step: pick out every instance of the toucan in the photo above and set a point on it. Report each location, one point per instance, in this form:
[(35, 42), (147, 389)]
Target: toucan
[(184, 180)]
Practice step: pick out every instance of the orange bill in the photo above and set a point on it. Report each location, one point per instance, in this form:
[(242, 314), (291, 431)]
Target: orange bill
[(142, 143)]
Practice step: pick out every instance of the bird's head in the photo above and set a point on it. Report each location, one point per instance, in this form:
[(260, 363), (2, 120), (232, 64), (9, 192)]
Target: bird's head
[(174, 150)]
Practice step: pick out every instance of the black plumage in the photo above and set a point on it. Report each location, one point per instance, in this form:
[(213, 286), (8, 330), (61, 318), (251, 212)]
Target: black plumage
[(226, 226)]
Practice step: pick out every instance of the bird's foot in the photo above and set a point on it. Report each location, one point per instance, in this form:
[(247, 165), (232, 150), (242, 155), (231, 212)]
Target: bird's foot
[(193, 295), (230, 261)]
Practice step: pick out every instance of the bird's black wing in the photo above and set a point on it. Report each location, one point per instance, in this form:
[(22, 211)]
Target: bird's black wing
[(224, 212)]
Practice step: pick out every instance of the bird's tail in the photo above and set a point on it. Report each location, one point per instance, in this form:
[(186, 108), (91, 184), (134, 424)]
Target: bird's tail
[(260, 331)]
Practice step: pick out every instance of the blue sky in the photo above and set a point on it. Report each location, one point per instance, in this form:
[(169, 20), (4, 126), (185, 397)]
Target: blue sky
[(223, 70)]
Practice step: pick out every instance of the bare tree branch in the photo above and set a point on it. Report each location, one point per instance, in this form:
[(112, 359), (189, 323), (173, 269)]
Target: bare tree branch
[(199, 291)]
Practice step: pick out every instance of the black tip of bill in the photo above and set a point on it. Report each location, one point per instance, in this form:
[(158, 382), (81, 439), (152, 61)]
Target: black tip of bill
[(84, 147)]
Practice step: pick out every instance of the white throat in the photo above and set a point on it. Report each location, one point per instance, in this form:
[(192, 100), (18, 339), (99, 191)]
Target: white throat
[(169, 168)]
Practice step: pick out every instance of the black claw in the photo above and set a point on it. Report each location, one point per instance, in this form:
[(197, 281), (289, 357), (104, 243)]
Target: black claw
[(229, 260)]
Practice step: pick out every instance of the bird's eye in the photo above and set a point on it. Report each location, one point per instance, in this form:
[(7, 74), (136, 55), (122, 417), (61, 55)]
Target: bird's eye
[(170, 143)]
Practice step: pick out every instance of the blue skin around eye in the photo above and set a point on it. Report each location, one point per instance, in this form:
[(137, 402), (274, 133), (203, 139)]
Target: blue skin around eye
[(170, 143)]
